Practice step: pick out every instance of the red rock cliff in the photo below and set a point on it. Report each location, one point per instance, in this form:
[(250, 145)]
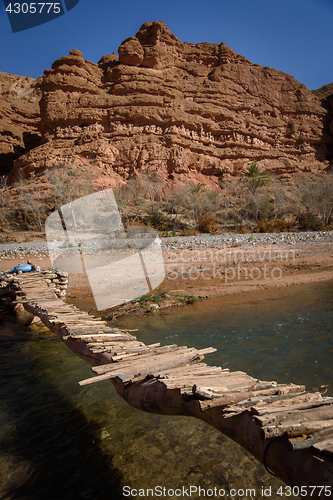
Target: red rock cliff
[(19, 118), (177, 107)]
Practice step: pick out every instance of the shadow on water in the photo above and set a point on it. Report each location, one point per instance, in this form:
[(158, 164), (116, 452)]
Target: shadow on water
[(60, 441), (48, 449)]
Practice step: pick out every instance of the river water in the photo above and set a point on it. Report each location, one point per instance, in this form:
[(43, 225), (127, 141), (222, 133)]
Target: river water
[(60, 441)]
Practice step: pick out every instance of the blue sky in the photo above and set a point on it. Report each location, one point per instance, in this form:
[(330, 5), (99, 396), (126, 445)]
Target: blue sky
[(294, 36)]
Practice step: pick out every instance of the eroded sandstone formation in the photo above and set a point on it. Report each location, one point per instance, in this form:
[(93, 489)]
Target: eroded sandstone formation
[(179, 108), (325, 94), (19, 118)]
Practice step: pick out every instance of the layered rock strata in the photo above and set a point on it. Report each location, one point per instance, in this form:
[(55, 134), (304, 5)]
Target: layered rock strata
[(325, 95), (19, 118), (178, 108)]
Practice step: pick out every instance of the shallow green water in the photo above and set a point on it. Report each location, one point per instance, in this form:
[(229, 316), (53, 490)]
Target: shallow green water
[(60, 441), (288, 338)]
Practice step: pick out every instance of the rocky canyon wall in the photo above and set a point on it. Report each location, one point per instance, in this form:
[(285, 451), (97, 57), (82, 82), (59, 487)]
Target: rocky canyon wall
[(179, 108), (325, 95), (19, 118)]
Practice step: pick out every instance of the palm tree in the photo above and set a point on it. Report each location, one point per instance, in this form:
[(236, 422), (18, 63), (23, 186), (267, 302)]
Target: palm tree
[(197, 189), (195, 197), (254, 177)]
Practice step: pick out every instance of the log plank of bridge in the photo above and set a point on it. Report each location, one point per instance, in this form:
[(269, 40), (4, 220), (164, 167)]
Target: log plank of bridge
[(284, 426)]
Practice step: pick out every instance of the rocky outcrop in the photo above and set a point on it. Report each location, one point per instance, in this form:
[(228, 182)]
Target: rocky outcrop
[(330, 101), (19, 118), (179, 108), (325, 94)]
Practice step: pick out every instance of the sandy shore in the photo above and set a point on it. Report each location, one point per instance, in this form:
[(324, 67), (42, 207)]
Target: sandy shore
[(240, 272), (197, 271)]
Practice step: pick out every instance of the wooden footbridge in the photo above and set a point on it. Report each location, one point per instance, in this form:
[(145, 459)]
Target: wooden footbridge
[(287, 428)]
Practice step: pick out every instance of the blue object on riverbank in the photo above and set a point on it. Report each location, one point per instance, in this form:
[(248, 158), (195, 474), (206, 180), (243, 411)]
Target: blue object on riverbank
[(25, 268)]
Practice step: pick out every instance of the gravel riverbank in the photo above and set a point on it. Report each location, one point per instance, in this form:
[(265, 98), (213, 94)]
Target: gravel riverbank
[(240, 266), (204, 240)]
